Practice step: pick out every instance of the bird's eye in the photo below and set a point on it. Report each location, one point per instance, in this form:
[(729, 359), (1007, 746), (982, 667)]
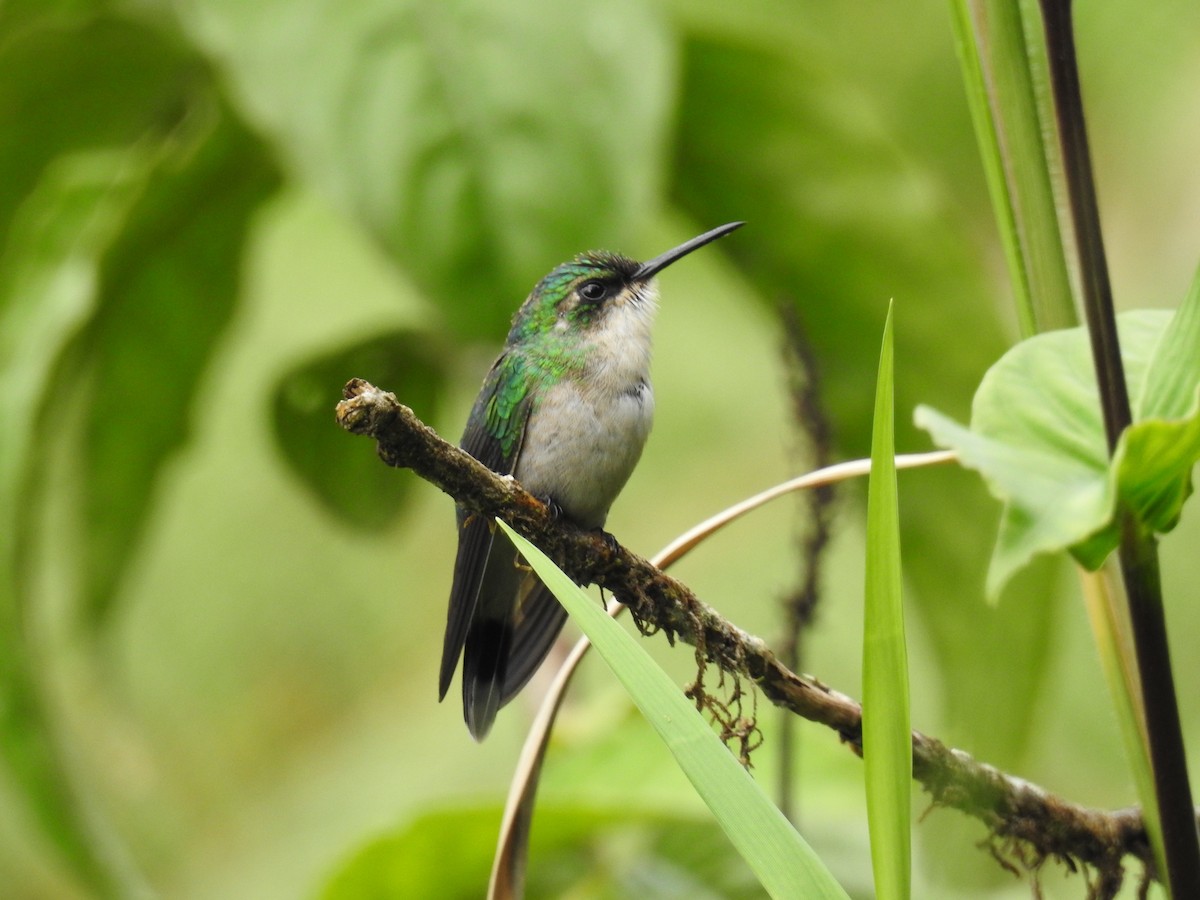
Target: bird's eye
[(593, 291)]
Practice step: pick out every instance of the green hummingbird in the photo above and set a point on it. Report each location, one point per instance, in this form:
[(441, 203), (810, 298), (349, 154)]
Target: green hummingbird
[(566, 410)]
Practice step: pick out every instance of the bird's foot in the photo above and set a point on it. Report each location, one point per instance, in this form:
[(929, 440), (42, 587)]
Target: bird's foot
[(609, 539), (556, 511)]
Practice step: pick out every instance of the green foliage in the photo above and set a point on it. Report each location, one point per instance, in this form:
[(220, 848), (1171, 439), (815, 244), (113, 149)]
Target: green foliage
[(347, 477), (1037, 439), (887, 732), (50, 267), (839, 225), (477, 144), (260, 695), (616, 852), (771, 846), (119, 273), (166, 292)]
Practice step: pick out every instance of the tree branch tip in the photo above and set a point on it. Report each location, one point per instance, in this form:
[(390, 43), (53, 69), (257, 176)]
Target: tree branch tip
[(362, 405)]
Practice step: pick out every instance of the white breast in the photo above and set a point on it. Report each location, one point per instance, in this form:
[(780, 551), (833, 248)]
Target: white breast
[(585, 435)]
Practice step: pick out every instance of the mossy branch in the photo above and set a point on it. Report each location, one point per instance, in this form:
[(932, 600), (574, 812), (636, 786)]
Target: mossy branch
[(1026, 823)]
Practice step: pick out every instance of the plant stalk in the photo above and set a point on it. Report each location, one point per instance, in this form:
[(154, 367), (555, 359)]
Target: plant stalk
[(1138, 552)]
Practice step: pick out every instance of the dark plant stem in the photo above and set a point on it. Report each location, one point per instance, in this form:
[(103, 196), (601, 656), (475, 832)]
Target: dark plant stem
[(1138, 552)]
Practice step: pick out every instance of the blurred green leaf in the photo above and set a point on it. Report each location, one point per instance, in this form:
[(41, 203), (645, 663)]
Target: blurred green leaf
[(346, 477), (1037, 439), (784, 863), (838, 221), (19, 15), (886, 732), (168, 288), (481, 143), (1168, 390), (113, 125), (48, 276), (96, 82), (610, 852)]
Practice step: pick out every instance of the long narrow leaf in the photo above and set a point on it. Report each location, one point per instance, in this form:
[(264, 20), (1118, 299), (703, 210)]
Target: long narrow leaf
[(774, 850), (1001, 63), (509, 865), (887, 733)]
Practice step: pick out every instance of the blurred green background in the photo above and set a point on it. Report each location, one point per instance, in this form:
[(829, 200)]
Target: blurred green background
[(221, 616)]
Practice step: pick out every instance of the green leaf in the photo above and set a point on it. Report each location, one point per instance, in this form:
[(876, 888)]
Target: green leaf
[(779, 856), (476, 140), (346, 477), (447, 854), (1037, 439), (887, 734), (167, 291), (48, 275), (88, 82)]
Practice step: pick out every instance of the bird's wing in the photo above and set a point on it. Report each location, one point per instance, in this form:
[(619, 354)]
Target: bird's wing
[(486, 577), (539, 620)]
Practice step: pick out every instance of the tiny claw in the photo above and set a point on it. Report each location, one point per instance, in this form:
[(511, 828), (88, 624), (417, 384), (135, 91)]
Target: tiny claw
[(556, 511), (609, 539)]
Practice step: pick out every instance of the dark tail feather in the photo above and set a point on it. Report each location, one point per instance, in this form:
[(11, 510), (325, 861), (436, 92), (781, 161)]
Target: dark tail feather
[(540, 622), (501, 656), (504, 620), (485, 661)]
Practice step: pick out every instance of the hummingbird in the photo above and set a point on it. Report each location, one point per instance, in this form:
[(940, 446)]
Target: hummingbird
[(565, 409)]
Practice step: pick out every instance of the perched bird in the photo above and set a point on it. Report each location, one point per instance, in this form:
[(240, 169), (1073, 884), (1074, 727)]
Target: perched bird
[(566, 410)]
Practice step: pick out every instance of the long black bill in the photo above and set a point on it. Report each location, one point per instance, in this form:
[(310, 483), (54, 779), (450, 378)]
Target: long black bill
[(660, 262)]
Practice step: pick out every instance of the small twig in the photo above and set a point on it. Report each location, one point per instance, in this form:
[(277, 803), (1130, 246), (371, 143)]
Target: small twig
[(1010, 807)]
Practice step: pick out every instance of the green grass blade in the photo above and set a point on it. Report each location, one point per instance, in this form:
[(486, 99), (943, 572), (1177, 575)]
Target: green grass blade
[(774, 850), (1001, 64), (887, 733)]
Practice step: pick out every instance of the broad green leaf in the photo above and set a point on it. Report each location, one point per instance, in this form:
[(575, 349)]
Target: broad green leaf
[(167, 290), (166, 282), (446, 854), (842, 220), (48, 277), (345, 477), (887, 734), (476, 140), (1000, 52), (1037, 439), (779, 856), (103, 252), (82, 83)]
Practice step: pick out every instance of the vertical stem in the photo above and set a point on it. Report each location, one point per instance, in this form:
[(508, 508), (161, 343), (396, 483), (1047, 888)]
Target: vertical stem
[(1085, 217), (1138, 552), (804, 387)]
